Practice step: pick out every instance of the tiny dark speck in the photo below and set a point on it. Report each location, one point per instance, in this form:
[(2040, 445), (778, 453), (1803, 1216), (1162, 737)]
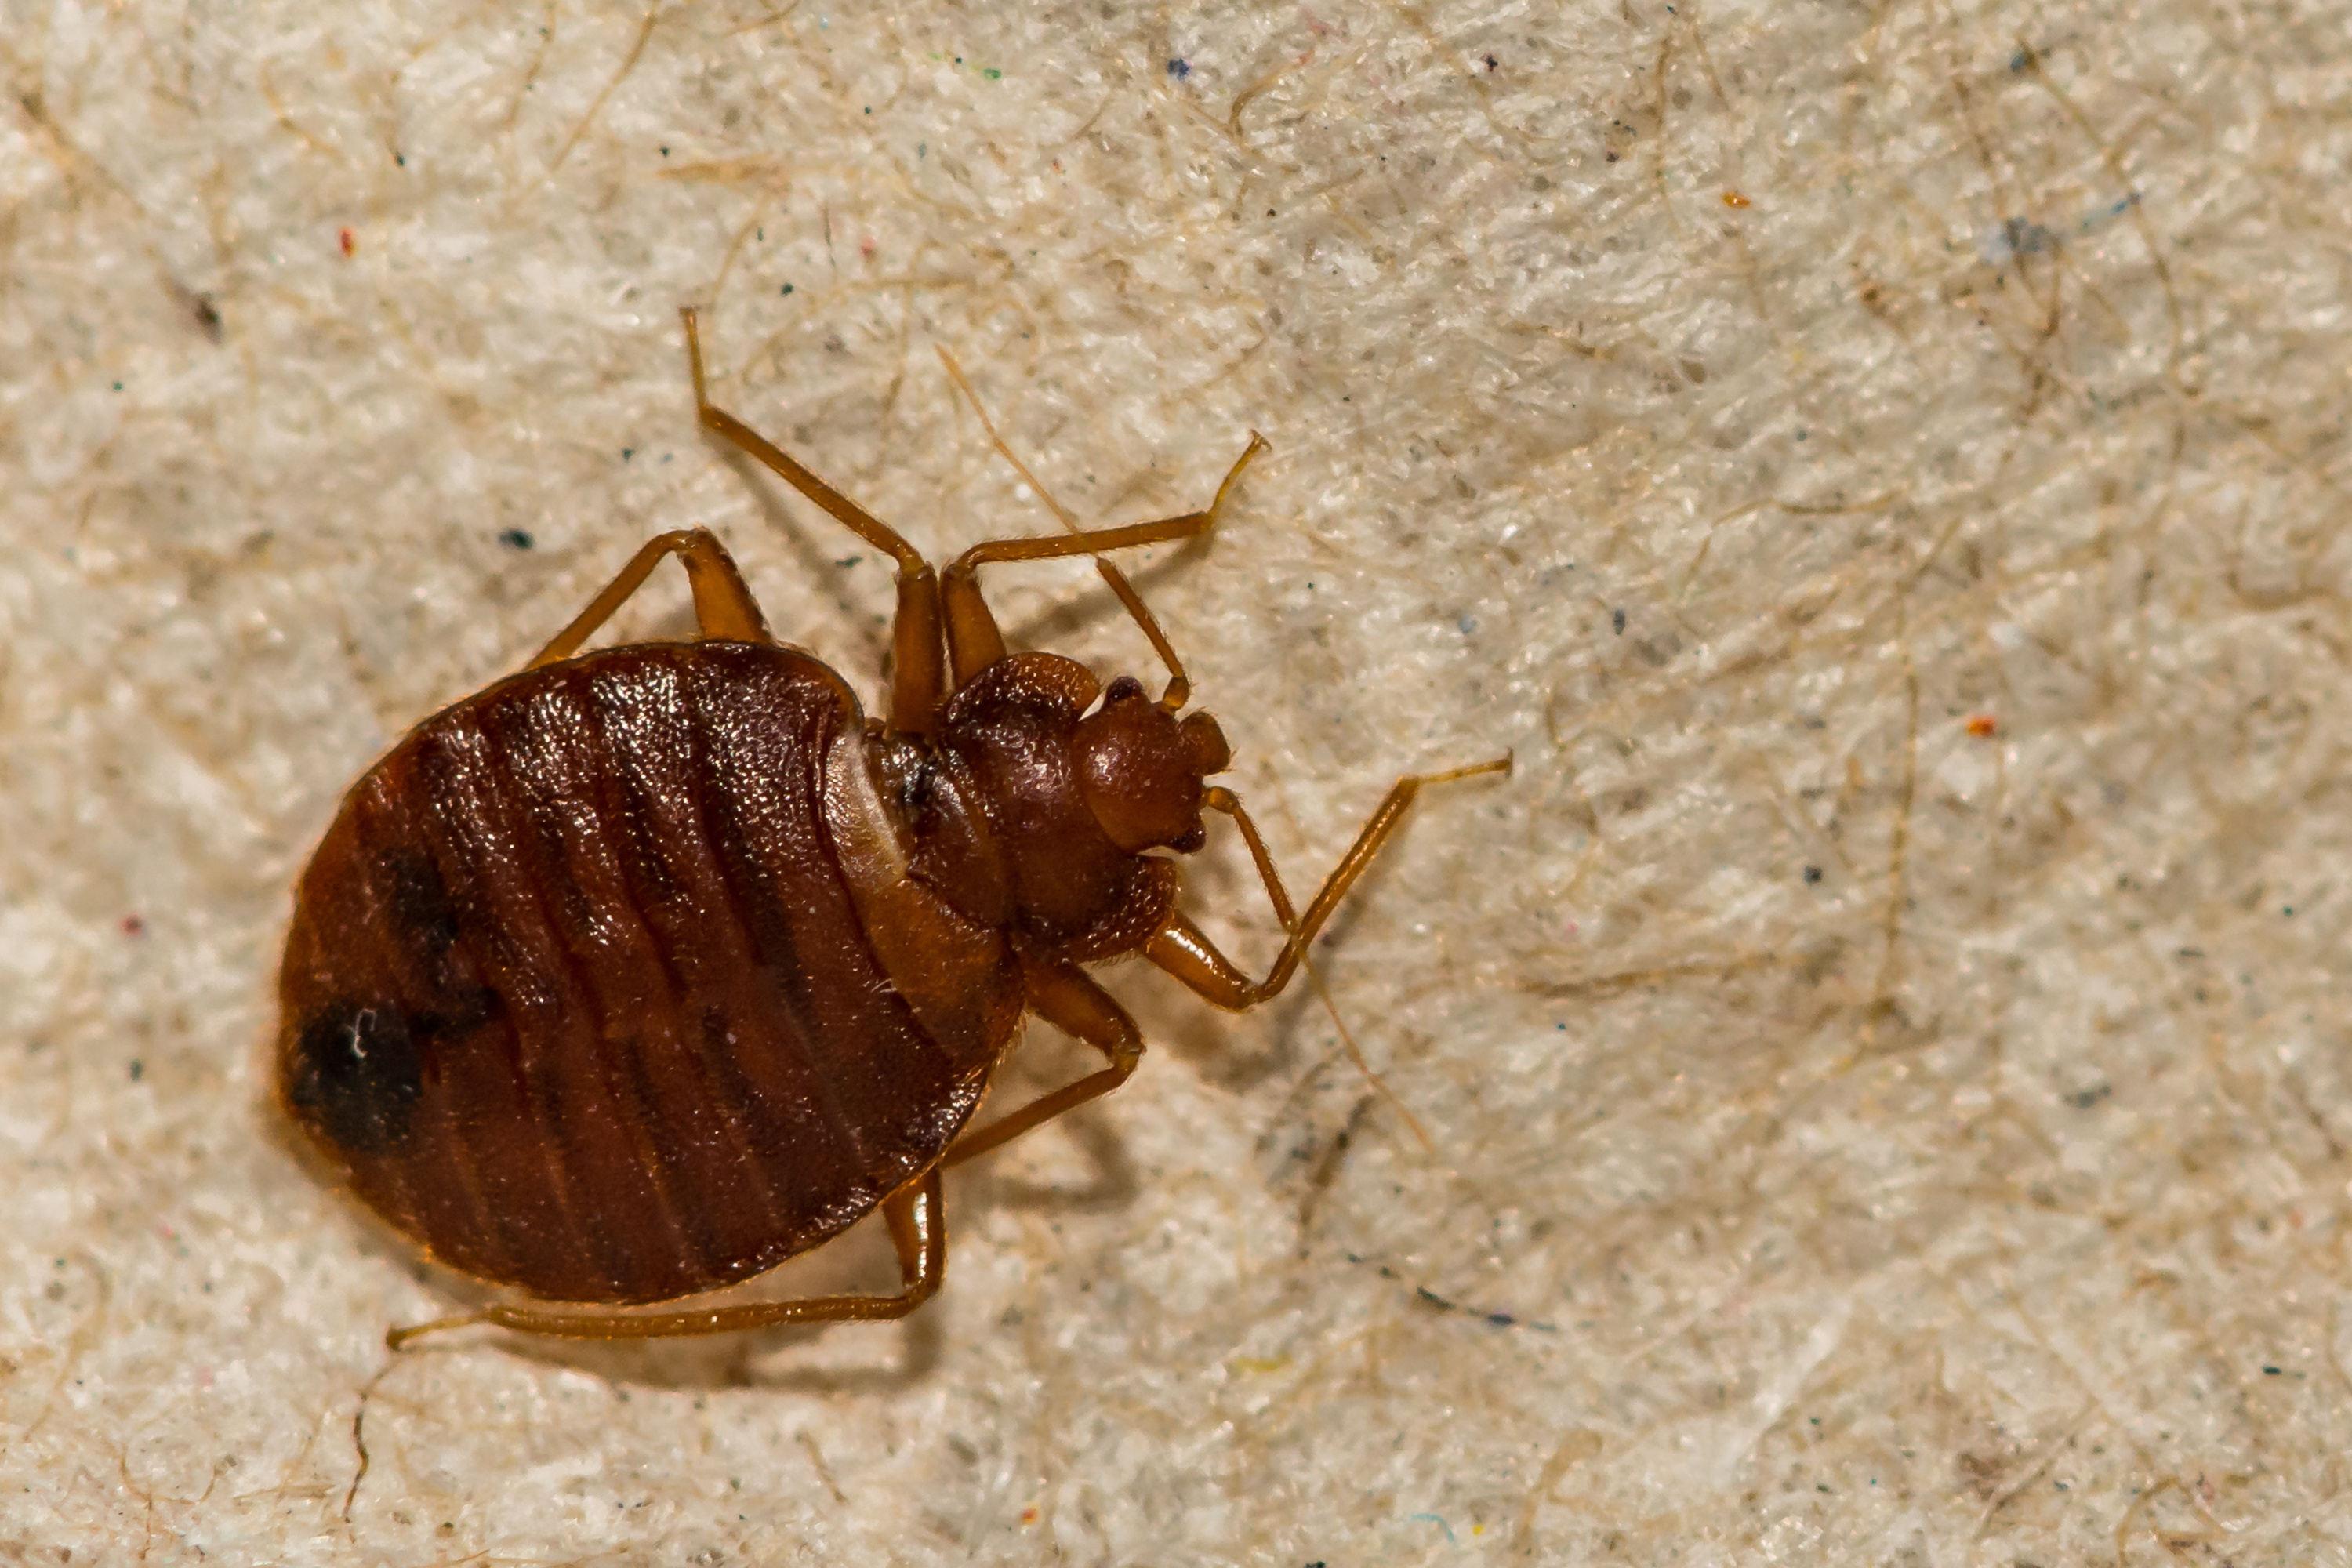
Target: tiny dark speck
[(401, 159), (1493, 64), (208, 318), (1467, 624), (1812, 875), (2271, 1372), (1269, 211), (138, 1070), (848, 561), (1617, 619), (627, 452), (1180, 69), (788, 288), (515, 539), (117, 386), (664, 151)]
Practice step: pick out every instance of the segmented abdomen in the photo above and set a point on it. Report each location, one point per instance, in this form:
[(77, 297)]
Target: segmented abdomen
[(575, 991)]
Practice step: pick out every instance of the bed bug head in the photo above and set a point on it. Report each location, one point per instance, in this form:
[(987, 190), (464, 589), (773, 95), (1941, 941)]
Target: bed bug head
[(1140, 767)]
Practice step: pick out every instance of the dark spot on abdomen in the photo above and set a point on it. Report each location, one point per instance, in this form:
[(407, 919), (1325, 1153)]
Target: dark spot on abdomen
[(358, 1073), (420, 900)]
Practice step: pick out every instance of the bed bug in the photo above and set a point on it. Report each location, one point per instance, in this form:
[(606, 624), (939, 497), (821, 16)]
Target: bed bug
[(648, 967)]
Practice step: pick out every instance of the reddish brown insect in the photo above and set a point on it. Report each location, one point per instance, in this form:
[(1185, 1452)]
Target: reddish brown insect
[(649, 968)]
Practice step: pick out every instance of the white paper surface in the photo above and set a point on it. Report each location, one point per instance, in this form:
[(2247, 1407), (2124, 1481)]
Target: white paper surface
[(1882, 471)]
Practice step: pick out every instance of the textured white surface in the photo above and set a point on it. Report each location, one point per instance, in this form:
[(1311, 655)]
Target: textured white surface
[(1892, 1143)]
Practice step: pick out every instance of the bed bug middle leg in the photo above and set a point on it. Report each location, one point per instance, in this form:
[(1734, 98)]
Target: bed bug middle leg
[(918, 682), (723, 605), (918, 1231)]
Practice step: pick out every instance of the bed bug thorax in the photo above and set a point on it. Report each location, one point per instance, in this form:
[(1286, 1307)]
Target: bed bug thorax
[(648, 967)]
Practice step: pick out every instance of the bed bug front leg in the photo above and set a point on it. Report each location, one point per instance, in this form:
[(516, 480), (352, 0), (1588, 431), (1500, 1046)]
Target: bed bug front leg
[(973, 641), (1060, 994), (1182, 951), (1065, 998), (918, 1230), (1180, 689)]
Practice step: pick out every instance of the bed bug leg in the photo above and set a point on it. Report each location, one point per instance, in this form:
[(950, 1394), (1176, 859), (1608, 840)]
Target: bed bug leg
[(918, 1231), (723, 605), (1063, 995), (918, 682), (1180, 689), (1182, 951), (973, 641)]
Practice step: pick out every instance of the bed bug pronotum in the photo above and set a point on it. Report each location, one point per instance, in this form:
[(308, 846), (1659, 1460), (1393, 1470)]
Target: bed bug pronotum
[(650, 967)]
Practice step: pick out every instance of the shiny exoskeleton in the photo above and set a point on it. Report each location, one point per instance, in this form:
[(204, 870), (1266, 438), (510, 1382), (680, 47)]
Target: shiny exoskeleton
[(647, 968)]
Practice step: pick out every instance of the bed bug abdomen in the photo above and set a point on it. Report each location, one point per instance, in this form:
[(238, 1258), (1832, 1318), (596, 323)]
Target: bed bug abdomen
[(578, 994)]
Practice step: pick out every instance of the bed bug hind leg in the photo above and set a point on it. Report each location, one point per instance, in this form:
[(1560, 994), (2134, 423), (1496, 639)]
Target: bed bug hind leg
[(918, 1231), (1182, 951), (1063, 995), (723, 605), (919, 671)]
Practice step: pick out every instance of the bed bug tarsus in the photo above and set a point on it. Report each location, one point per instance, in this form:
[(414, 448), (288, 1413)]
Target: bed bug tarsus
[(646, 968)]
